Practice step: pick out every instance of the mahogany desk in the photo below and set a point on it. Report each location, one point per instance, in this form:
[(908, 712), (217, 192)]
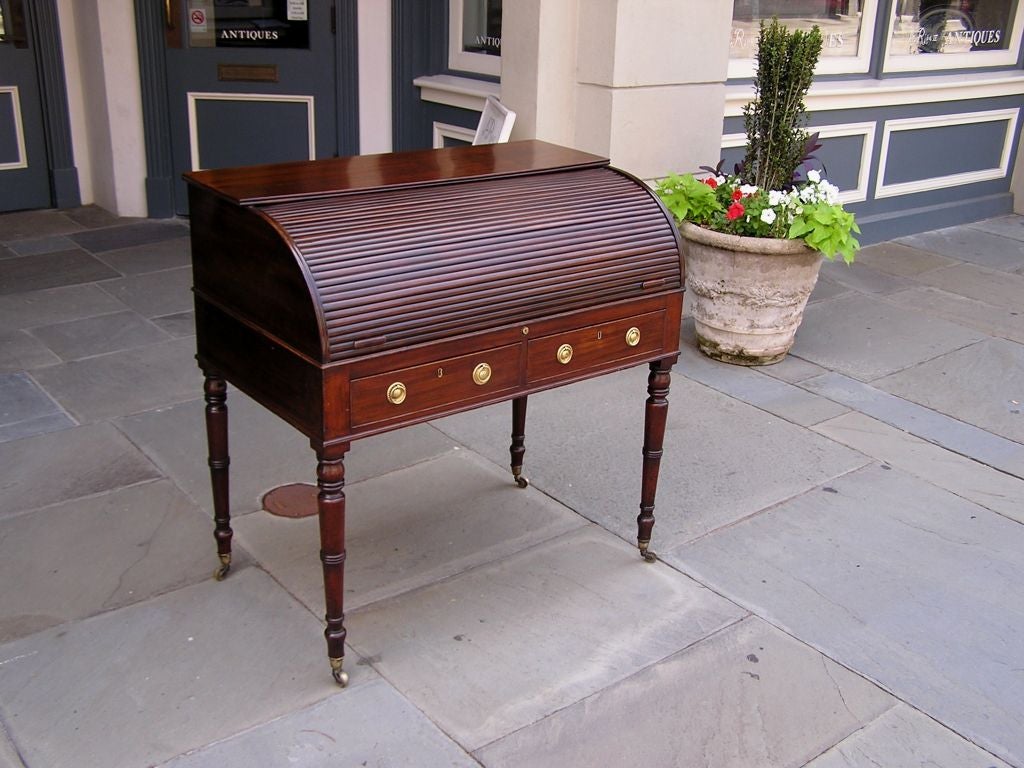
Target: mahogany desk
[(354, 296)]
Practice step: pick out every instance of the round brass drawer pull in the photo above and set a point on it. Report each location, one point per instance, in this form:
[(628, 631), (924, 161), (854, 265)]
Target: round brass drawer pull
[(397, 393), (564, 354), (633, 336), (482, 374)]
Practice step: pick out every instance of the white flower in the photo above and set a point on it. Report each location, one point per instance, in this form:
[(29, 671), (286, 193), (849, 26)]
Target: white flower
[(831, 193), (814, 176), (720, 179), (768, 216), (748, 189), (775, 197)]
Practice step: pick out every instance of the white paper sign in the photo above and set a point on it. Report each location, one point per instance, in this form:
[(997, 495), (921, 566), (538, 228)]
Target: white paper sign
[(197, 19), (297, 10)]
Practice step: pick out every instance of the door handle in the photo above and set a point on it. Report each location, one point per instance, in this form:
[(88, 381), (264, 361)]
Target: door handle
[(168, 17)]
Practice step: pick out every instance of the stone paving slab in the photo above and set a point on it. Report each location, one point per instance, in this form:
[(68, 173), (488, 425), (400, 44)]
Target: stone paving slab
[(127, 382), (25, 224), (990, 320), (32, 246), (904, 736), (866, 337), (494, 649), (153, 294), (8, 754), (76, 339), (179, 325), (128, 235), (51, 270), (86, 556), (723, 459), (990, 374), (862, 278), (965, 439), (1006, 226), (976, 482), (20, 352), (989, 286), (746, 696), (970, 244), (25, 410), (48, 469), (861, 569), (92, 216), (371, 725), (751, 386), (151, 257), (825, 289), (55, 305), (409, 528), (146, 683), (265, 451), (792, 369), (901, 260)]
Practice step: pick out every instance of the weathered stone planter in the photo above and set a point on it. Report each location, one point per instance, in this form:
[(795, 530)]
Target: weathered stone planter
[(746, 294)]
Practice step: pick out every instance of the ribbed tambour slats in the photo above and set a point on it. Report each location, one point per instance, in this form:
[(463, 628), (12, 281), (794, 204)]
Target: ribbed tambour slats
[(400, 267)]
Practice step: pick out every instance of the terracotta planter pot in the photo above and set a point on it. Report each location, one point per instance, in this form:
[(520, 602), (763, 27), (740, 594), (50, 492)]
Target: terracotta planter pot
[(746, 294)]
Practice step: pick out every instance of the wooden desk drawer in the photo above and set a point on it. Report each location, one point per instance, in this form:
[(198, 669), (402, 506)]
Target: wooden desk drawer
[(393, 394), (594, 346)]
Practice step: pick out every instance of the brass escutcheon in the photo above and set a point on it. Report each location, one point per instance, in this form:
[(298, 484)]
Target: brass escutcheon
[(633, 336), (564, 354), (482, 374), (397, 393)]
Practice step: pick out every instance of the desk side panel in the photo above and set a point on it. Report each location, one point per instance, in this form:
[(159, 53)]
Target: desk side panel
[(241, 262), (271, 374)]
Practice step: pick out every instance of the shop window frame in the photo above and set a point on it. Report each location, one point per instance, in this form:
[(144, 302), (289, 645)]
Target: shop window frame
[(929, 62), (465, 61), (831, 65)]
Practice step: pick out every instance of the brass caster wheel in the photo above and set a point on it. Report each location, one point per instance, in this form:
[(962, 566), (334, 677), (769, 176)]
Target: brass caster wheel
[(517, 475), (225, 565), (340, 676), (646, 554)]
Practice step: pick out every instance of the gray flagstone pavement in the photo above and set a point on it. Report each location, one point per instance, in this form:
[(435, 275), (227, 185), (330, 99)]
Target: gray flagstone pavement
[(840, 583)]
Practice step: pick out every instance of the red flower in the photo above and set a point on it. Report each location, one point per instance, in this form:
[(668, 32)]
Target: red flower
[(735, 211), (736, 194), (711, 182)]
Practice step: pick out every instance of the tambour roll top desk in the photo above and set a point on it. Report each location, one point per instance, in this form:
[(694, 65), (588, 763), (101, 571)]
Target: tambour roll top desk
[(353, 296)]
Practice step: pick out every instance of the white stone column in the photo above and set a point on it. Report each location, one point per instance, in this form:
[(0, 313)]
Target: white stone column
[(639, 81), (105, 102)]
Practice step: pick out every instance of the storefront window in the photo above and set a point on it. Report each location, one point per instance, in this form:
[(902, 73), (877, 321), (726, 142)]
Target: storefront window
[(475, 36), (248, 23), (934, 34), (846, 27)]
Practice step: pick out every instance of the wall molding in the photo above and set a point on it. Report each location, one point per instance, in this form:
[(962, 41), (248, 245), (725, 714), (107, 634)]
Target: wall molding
[(1009, 116), (867, 130), (197, 96), (444, 131), (19, 130), (865, 94), (462, 92)]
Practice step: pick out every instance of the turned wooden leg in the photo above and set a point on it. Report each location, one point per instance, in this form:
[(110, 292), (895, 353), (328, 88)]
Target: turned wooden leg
[(330, 476), (215, 390), (655, 416), (518, 450)]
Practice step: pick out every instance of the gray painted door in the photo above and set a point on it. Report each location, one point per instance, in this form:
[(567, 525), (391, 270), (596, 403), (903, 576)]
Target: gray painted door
[(252, 82), (24, 175)]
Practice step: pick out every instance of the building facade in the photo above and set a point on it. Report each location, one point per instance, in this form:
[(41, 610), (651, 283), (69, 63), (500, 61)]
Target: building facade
[(917, 102)]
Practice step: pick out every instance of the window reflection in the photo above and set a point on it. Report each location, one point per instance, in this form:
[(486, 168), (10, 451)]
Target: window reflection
[(839, 21), (481, 27), (951, 26)]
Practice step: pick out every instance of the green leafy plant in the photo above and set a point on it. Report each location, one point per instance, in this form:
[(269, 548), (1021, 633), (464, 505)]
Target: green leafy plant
[(768, 196)]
